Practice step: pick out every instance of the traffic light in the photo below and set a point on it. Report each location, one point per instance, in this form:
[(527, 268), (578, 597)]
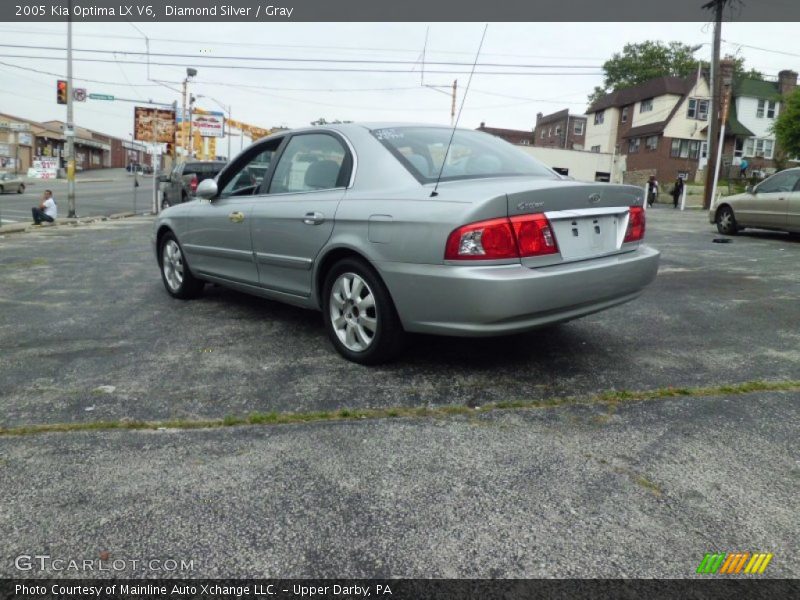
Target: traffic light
[(61, 91), (170, 149)]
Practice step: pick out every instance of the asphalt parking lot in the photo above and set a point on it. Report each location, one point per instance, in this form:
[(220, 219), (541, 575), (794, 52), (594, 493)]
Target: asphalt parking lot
[(591, 487)]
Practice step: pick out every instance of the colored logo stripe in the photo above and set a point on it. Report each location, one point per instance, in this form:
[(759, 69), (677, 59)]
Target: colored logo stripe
[(733, 563)]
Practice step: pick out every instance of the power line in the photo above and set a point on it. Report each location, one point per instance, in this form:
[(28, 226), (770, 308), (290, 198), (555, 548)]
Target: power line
[(291, 47), (296, 69), (61, 76), (302, 60)]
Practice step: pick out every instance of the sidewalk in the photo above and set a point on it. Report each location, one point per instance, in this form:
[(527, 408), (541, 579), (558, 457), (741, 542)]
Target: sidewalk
[(28, 226)]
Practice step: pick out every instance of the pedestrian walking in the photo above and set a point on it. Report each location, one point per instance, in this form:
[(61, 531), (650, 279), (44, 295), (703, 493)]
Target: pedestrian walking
[(47, 211), (743, 168), (677, 191), (652, 190)]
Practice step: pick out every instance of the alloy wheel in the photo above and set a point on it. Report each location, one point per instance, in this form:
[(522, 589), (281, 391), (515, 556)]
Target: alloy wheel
[(354, 317), (172, 264)]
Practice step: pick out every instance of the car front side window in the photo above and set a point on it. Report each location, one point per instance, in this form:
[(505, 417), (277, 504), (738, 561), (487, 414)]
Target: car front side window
[(247, 176), (782, 182)]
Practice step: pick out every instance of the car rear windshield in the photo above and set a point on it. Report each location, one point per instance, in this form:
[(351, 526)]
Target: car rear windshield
[(203, 170), (472, 154)]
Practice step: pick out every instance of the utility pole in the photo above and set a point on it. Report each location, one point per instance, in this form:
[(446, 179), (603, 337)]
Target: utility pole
[(713, 124), (191, 139), (69, 128), (453, 105), (183, 113)]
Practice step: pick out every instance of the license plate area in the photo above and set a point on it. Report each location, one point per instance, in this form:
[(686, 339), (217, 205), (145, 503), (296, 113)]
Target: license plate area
[(581, 235)]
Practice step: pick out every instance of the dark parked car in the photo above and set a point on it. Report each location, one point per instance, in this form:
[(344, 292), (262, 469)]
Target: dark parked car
[(181, 184)]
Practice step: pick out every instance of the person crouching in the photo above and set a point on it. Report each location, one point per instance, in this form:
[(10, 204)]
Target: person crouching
[(46, 211)]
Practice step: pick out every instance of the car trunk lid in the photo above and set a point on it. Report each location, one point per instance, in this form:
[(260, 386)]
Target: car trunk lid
[(587, 220)]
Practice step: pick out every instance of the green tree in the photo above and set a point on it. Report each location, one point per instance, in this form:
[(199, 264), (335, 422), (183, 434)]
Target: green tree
[(787, 126), (638, 63)]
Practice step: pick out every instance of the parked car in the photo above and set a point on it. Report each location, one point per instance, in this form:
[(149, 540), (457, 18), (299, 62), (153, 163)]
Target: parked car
[(772, 204), (181, 184), (11, 183), (390, 229)]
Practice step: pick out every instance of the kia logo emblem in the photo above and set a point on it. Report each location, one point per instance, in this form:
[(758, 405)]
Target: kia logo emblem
[(594, 198)]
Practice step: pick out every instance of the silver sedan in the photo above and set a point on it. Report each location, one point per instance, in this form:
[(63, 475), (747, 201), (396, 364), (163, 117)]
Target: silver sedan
[(390, 229), (772, 204), (11, 183)]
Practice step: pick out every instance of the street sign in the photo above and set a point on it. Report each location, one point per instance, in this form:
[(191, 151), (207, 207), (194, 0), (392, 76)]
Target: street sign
[(79, 94), (100, 97)]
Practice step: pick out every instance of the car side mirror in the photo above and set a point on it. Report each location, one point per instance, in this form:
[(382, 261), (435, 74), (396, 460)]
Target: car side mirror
[(163, 178), (750, 189), (207, 189)]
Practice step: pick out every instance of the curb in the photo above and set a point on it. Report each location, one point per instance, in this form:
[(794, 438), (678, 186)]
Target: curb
[(72, 222)]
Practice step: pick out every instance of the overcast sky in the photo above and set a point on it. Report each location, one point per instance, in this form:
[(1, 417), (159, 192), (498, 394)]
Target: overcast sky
[(294, 98)]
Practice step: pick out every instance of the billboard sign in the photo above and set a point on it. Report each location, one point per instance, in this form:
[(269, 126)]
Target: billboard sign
[(154, 125), (209, 125)]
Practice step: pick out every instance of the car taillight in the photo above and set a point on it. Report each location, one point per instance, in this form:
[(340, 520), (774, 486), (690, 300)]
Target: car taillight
[(193, 184), (635, 230), (525, 235), (534, 236)]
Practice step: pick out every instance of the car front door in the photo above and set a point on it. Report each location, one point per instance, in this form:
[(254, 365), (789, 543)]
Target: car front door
[(218, 241), (768, 206), (294, 220)]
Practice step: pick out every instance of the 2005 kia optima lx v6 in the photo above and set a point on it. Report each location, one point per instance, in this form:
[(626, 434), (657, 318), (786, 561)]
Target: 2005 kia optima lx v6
[(349, 219)]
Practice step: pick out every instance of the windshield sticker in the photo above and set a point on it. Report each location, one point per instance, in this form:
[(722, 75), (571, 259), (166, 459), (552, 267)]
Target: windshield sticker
[(388, 134)]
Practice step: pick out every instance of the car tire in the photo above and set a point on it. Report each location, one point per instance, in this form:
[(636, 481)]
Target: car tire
[(21, 188), (726, 221), (362, 324), (175, 273)]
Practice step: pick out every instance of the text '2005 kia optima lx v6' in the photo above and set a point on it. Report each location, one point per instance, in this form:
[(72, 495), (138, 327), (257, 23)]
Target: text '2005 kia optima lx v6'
[(389, 229)]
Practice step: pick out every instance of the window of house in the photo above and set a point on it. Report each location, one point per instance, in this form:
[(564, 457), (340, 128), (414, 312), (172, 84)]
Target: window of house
[(625, 114), (558, 130), (595, 148), (525, 142), (633, 145), (766, 107), (698, 109), (599, 117), (646, 105), (738, 147), (578, 128), (758, 147), (542, 136), (550, 132), (651, 143), (685, 149)]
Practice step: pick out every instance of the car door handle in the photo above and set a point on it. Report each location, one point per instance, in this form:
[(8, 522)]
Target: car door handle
[(314, 218), (236, 216)]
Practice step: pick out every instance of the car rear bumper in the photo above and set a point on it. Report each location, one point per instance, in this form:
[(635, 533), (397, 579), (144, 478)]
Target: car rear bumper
[(503, 299)]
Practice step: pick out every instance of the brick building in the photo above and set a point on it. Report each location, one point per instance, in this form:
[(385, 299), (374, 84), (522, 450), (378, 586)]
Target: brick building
[(513, 136), (560, 130), (658, 126)]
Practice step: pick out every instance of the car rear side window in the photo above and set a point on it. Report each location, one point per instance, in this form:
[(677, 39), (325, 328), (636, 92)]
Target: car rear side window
[(203, 170), (314, 161), (472, 154)]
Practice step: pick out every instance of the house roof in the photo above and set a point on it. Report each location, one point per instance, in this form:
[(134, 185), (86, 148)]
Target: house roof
[(558, 116), (659, 86), (734, 126), (756, 88), (649, 129), (500, 132)]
